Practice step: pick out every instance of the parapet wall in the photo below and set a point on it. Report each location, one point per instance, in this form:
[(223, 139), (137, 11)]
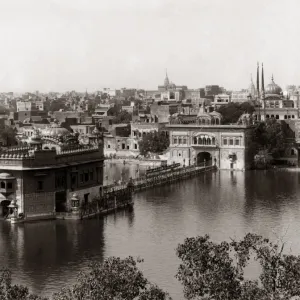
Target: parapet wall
[(48, 158)]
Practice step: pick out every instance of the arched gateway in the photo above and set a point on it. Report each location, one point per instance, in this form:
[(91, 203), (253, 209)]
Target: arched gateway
[(204, 157)]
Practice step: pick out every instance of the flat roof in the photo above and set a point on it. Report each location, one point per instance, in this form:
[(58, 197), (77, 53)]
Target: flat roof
[(208, 126)]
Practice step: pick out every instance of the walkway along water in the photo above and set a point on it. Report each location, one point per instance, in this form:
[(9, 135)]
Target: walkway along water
[(120, 196)]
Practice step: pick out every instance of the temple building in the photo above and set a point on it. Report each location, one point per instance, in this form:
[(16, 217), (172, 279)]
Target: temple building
[(204, 140), (42, 174), (273, 104)]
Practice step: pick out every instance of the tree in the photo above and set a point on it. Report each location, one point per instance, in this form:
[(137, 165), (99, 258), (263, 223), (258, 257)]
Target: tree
[(123, 117), (232, 111), (8, 291), (8, 135), (114, 279), (114, 110), (56, 105), (155, 142), (215, 271), (271, 135)]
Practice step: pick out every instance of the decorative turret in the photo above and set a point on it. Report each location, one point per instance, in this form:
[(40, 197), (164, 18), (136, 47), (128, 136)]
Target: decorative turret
[(35, 140)]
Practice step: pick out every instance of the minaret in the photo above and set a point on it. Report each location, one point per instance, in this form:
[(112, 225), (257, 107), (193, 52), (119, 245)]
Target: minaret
[(262, 78), (257, 81)]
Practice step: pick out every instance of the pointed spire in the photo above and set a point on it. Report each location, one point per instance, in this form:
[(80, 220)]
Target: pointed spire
[(257, 79), (272, 77), (262, 78)]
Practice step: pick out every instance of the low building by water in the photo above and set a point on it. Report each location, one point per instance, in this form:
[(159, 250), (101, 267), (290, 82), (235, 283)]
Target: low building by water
[(41, 177)]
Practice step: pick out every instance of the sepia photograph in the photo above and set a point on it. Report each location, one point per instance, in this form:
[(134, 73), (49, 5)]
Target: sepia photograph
[(149, 150)]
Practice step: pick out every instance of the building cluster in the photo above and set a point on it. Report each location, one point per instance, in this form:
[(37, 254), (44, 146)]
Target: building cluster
[(63, 139)]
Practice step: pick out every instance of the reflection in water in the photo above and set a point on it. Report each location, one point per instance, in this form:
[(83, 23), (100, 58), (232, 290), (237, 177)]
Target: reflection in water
[(119, 171), (48, 255)]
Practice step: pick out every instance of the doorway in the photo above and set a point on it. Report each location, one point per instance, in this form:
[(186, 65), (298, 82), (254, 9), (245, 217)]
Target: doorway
[(204, 157), (60, 201)]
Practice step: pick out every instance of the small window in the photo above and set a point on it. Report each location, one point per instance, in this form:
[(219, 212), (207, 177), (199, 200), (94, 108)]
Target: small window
[(40, 185), (73, 179), (135, 146), (86, 177), (184, 141), (179, 141), (237, 142), (231, 142), (108, 146), (225, 142), (2, 185), (9, 185), (175, 141)]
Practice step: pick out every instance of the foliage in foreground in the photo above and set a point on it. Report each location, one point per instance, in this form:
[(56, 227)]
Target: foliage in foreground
[(9, 291), (216, 271), (114, 279), (208, 270)]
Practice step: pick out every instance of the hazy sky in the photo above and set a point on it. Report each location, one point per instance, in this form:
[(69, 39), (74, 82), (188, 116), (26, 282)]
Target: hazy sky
[(60, 45)]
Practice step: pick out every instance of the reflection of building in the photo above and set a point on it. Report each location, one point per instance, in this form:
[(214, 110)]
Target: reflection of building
[(205, 140), (48, 169)]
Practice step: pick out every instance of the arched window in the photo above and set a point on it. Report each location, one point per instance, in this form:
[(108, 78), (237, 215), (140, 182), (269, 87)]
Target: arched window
[(195, 140), (292, 151), (213, 141), (208, 141), (2, 185), (217, 121), (200, 142), (204, 141)]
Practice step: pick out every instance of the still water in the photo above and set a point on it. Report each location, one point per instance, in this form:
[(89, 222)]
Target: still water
[(48, 255)]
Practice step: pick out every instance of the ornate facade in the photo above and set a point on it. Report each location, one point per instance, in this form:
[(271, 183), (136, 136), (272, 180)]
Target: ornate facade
[(42, 175), (195, 143), (273, 104)]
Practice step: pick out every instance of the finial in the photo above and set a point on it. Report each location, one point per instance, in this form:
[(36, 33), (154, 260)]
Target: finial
[(166, 72), (272, 77)]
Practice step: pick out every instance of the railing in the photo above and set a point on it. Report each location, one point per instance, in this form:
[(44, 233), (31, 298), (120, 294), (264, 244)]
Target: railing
[(118, 196), (162, 168)]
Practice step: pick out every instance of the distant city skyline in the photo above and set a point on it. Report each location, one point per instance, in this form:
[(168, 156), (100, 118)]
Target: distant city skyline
[(64, 45)]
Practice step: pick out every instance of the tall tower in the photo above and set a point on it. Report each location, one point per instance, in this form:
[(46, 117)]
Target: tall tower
[(257, 81), (262, 79), (166, 82)]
